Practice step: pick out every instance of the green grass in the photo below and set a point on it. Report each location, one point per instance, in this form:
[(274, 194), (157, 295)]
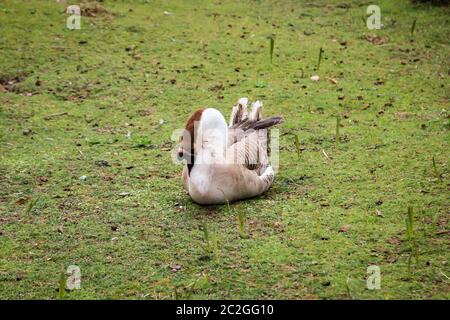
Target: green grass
[(99, 93)]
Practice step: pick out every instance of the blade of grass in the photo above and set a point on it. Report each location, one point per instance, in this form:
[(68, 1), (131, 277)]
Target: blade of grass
[(411, 237), (318, 229), (175, 293), (241, 224), (30, 206), (413, 27), (272, 46), (190, 289), (347, 287), (321, 52), (297, 146), (338, 125), (409, 224), (216, 250), (62, 285), (207, 239), (436, 172)]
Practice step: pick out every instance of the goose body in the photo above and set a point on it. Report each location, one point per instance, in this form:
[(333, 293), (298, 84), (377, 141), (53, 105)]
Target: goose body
[(225, 163)]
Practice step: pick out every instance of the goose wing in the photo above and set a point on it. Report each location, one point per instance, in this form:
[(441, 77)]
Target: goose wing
[(250, 151), (243, 123), (248, 136)]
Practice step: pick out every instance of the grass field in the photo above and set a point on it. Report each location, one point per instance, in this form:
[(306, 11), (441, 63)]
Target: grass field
[(86, 177)]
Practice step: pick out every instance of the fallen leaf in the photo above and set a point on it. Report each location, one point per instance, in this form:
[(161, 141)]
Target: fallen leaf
[(394, 240), (392, 258), (345, 228), (377, 40), (175, 268), (401, 115), (22, 200), (333, 80)]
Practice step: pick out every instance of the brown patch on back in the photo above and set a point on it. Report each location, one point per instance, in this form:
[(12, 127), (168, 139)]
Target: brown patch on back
[(191, 122), (190, 126)]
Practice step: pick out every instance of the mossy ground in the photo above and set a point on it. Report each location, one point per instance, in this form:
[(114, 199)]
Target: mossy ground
[(69, 99)]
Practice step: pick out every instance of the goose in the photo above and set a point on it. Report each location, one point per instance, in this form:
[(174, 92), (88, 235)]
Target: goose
[(226, 163)]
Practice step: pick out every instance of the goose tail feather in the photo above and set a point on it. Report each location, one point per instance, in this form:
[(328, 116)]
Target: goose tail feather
[(267, 123)]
